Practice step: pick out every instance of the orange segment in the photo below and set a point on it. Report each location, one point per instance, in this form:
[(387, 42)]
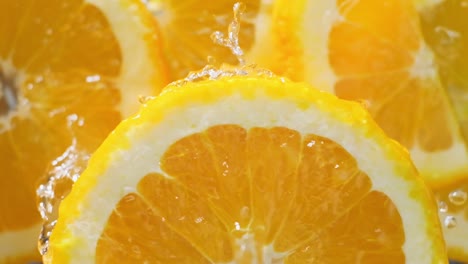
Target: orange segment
[(375, 53), (248, 169), (445, 30), (284, 212), (189, 215), (381, 54), (394, 23), (272, 184), (386, 97), (337, 186), (64, 86), (380, 241), (220, 155), (137, 233)]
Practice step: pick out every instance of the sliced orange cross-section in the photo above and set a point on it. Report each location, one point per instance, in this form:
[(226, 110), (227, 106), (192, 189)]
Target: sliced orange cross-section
[(445, 28), (69, 71), (409, 70), (374, 52), (248, 170)]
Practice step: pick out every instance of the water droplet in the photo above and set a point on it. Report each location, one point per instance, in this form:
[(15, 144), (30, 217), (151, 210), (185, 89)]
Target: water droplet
[(458, 197), (450, 221), (144, 99), (65, 170), (311, 143), (93, 78), (443, 207)]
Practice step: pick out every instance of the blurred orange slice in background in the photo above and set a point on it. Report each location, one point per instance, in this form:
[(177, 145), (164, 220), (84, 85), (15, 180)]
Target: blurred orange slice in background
[(445, 28), (375, 52), (69, 72)]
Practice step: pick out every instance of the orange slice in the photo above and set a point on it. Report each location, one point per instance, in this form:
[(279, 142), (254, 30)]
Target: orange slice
[(187, 27), (445, 28), (375, 52), (69, 71), (248, 169), (381, 59)]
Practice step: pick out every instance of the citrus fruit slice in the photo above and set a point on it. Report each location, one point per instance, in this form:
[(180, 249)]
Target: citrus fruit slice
[(374, 52), (69, 71), (445, 28), (248, 169), (187, 27)]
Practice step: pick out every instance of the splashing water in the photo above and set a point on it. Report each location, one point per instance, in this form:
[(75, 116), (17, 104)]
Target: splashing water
[(66, 169), (232, 41), (211, 71), (143, 99)]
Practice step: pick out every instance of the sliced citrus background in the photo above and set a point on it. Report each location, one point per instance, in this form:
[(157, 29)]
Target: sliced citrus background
[(379, 58), (69, 71), (187, 26), (375, 52), (445, 28), (248, 169)]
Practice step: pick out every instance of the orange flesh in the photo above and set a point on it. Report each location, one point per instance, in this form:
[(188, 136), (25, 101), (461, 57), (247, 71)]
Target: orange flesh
[(187, 33), (445, 29), (53, 48), (304, 196), (373, 54)]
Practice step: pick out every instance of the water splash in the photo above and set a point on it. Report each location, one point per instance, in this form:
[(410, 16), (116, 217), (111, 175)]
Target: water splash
[(65, 170), (143, 99), (212, 70), (232, 41)]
